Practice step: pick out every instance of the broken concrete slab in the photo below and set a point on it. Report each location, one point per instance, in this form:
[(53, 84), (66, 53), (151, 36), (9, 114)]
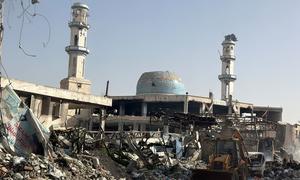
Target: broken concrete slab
[(21, 132)]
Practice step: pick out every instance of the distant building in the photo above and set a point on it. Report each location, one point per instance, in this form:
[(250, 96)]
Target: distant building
[(288, 136)]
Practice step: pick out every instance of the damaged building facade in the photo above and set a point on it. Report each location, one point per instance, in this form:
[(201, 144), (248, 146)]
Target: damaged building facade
[(161, 132), (72, 104), (165, 91)]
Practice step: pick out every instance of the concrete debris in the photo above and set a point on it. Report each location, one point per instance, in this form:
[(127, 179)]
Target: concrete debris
[(76, 154), (145, 158), (62, 167), (29, 151), (202, 148), (76, 163), (286, 171)]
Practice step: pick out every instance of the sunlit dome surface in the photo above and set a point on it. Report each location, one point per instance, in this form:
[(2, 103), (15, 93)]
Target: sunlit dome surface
[(160, 82)]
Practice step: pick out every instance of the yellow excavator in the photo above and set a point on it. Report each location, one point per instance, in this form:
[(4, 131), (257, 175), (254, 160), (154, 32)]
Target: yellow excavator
[(229, 161)]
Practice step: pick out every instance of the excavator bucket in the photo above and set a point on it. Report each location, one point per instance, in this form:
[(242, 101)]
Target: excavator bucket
[(207, 174)]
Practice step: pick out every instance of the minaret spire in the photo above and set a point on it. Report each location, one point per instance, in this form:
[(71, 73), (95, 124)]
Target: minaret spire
[(227, 77), (77, 50)]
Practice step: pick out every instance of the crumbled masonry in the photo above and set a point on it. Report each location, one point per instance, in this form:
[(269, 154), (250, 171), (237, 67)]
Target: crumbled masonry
[(204, 146)]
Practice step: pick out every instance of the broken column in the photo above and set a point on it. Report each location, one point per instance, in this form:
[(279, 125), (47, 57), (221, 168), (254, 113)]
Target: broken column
[(122, 109), (186, 104), (36, 105), (64, 113), (166, 126), (144, 109), (102, 116)]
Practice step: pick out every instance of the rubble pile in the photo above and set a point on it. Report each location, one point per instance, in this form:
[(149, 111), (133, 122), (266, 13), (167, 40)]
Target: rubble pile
[(73, 157), (288, 171), (28, 150), (198, 147), (62, 167), (141, 162), (162, 172)]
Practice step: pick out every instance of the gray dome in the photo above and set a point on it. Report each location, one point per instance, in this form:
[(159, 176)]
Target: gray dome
[(80, 6), (160, 82)]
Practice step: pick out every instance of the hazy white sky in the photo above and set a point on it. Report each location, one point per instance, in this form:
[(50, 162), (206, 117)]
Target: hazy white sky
[(129, 37)]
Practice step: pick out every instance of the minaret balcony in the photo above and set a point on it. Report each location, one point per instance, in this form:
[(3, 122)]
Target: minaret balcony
[(227, 77), (77, 49), (227, 58), (80, 25)]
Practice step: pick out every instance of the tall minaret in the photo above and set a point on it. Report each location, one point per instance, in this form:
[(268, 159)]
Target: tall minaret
[(227, 77), (77, 50)]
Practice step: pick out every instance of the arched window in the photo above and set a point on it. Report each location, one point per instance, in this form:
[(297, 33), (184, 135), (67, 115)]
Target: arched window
[(227, 49), (227, 70)]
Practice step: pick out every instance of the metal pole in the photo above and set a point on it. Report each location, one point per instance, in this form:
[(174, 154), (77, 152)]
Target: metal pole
[(106, 90), (1, 27), (1, 39)]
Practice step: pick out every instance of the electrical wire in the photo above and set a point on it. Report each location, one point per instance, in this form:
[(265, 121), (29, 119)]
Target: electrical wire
[(48, 23), (5, 72), (21, 29), (26, 13)]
